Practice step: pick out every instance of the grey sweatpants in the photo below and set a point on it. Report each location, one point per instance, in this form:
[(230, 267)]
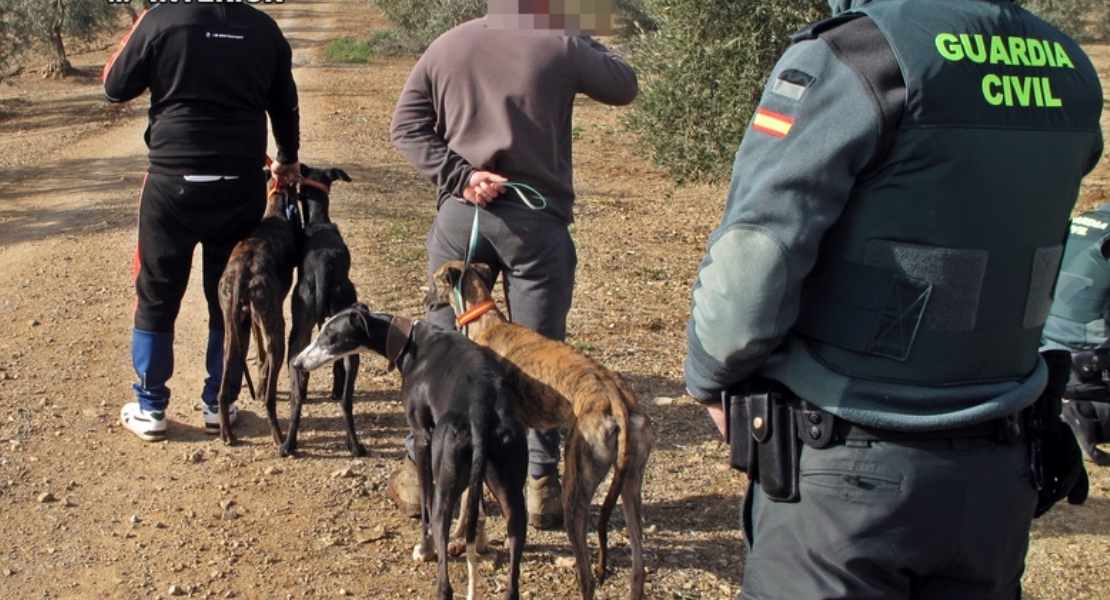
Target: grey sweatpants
[(943, 520), (536, 258)]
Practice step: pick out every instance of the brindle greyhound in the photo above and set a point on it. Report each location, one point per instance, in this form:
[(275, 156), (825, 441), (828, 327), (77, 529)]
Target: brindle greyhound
[(323, 289), (556, 384), (252, 291), (460, 407)]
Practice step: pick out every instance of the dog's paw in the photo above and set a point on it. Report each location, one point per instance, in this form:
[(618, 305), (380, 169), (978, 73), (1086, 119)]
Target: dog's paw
[(356, 449), (599, 572), (481, 545), (420, 553), (288, 448)]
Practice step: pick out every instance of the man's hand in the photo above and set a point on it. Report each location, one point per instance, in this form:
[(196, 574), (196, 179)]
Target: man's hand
[(717, 413), (483, 187), (286, 174)]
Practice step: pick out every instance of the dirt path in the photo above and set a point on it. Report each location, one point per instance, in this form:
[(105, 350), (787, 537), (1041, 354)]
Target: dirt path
[(90, 512)]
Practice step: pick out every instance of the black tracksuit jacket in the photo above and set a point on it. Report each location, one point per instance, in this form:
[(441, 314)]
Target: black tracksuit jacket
[(214, 72)]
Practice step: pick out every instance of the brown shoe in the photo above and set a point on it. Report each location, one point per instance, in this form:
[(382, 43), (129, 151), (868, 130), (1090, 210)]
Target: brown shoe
[(544, 499), (404, 489)]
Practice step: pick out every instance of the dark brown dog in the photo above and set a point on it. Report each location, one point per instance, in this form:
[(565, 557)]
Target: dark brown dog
[(556, 384), (252, 292)]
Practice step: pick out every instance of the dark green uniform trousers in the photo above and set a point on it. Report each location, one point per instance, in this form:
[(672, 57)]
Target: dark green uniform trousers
[(943, 520)]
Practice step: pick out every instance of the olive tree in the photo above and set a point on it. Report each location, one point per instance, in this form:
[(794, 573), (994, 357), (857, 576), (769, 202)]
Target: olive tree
[(702, 71), (46, 26)]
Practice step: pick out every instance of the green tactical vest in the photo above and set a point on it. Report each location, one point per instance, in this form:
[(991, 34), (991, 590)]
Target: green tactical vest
[(1083, 289), (941, 268)]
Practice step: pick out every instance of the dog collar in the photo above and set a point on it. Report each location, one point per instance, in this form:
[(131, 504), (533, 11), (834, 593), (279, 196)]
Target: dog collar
[(316, 184), (400, 330), (471, 315)]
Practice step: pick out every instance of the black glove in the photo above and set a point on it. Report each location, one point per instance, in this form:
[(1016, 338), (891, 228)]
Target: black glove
[(1064, 474)]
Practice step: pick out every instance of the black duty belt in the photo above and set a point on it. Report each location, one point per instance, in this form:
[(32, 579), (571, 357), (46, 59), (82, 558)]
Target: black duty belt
[(818, 429)]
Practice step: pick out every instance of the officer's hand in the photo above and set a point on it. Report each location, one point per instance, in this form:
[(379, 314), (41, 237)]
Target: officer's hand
[(1064, 473)]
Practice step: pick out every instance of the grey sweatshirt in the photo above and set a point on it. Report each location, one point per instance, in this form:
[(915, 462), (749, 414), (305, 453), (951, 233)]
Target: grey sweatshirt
[(486, 99)]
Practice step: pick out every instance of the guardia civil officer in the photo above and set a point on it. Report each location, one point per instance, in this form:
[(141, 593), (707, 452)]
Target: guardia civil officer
[(1077, 323), (875, 295), (215, 71)]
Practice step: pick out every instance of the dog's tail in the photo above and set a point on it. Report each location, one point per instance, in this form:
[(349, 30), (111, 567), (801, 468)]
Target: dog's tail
[(478, 462), (236, 344), (620, 415)]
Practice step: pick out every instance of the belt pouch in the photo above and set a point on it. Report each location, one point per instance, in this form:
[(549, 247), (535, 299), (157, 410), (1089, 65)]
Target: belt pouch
[(741, 445), (776, 435)]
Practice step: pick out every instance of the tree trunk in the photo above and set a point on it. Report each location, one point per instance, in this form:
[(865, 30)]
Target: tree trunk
[(60, 67)]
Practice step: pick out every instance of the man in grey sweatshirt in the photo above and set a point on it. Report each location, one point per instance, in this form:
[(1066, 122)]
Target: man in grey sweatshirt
[(485, 106)]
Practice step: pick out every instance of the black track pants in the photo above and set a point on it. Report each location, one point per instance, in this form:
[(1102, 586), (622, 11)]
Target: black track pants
[(174, 216)]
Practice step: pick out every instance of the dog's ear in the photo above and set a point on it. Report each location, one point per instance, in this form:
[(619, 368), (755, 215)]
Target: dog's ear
[(443, 281), (359, 317), (433, 300), (336, 174), (485, 273), (446, 276)]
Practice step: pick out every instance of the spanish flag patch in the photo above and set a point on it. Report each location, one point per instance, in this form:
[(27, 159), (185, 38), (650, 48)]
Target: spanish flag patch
[(772, 123)]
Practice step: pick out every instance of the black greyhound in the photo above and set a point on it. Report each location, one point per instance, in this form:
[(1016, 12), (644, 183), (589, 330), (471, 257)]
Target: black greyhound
[(323, 288), (459, 406)]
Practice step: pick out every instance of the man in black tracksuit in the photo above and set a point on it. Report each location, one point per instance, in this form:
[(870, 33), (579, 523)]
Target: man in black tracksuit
[(214, 71), (879, 281)]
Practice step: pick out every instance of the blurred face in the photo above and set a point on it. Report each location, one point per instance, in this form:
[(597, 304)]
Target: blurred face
[(553, 17)]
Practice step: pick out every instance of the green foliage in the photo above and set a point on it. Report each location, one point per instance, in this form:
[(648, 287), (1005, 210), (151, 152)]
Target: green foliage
[(416, 23), (39, 26), (633, 19), (1084, 20), (344, 49), (701, 75)]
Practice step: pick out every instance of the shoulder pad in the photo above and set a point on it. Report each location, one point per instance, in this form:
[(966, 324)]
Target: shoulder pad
[(815, 29)]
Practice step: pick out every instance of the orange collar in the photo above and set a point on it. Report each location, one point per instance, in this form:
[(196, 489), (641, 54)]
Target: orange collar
[(471, 315), (277, 189), (315, 184)]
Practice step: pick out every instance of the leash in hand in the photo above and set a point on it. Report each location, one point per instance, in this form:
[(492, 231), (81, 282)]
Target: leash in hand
[(519, 189)]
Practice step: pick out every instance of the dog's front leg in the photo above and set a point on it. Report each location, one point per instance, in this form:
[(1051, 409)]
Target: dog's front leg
[(349, 369), (422, 455)]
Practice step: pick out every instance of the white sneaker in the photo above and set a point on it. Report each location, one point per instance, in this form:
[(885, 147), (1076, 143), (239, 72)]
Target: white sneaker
[(150, 426), (212, 417)]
